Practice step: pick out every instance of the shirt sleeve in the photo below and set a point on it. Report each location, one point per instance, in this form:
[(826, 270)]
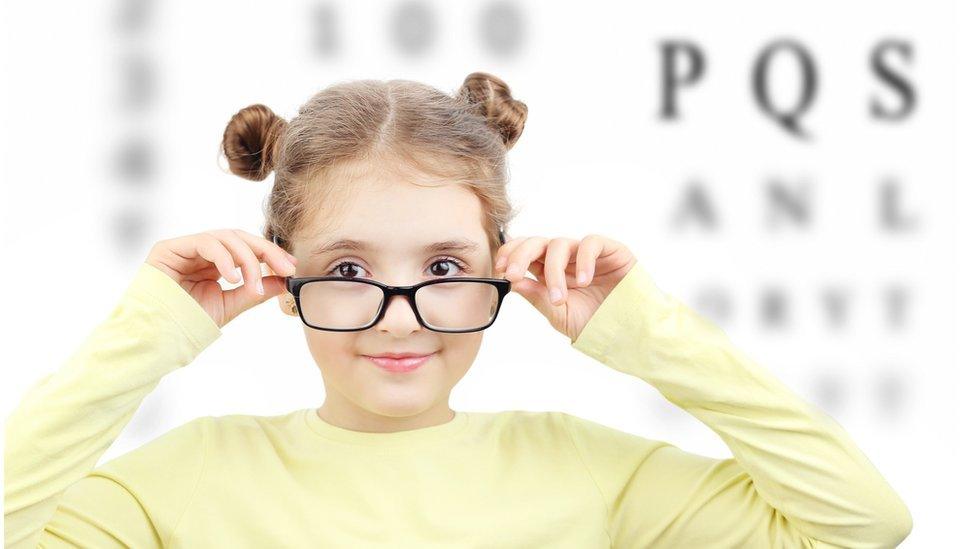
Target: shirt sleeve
[(796, 478), (69, 418), (135, 500)]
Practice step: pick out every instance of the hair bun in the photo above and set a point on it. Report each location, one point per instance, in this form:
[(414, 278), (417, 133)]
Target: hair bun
[(250, 141), (504, 113)]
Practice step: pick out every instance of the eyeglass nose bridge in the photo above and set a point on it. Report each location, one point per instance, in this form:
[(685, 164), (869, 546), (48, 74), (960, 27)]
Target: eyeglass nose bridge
[(389, 292)]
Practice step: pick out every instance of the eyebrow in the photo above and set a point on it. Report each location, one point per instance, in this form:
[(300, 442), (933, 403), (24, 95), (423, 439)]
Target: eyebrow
[(455, 245)]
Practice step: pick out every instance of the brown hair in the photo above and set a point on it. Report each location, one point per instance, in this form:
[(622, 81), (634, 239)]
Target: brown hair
[(464, 137)]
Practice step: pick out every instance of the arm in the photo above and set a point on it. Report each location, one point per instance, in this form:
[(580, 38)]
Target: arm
[(68, 419), (137, 499), (796, 478)]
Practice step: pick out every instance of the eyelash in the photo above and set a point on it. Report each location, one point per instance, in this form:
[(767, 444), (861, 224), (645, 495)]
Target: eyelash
[(460, 264)]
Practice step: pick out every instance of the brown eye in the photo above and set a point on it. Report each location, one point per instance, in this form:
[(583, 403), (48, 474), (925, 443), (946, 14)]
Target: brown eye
[(345, 268), (439, 267)]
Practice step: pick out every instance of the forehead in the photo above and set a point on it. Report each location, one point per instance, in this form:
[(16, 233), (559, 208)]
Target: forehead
[(396, 210)]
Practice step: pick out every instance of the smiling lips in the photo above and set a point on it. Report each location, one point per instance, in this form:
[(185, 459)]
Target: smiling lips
[(399, 362)]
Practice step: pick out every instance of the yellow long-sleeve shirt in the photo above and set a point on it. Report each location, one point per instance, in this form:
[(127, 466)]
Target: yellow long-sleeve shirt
[(508, 479)]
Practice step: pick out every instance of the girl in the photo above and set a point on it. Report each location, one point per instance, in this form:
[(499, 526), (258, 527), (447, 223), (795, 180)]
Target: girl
[(385, 238)]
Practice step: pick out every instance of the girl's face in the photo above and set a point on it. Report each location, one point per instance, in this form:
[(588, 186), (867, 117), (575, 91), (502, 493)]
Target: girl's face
[(395, 224)]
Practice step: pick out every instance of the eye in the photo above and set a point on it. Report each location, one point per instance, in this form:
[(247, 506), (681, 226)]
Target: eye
[(440, 267), (339, 267), (441, 261)]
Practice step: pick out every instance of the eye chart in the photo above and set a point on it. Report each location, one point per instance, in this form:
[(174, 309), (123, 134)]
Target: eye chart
[(787, 169)]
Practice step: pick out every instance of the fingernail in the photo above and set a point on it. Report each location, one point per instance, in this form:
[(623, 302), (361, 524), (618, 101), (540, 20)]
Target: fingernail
[(555, 295), (581, 278), (293, 259), (498, 262), (512, 270), (260, 287)]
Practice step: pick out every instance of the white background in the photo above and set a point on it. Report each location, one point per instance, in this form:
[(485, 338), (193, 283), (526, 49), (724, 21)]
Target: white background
[(594, 157)]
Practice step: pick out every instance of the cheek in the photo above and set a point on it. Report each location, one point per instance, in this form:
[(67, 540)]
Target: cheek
[(334, 352), (459, 352)]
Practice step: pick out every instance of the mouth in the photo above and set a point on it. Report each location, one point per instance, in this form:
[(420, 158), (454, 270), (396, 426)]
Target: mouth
[(399, 362)]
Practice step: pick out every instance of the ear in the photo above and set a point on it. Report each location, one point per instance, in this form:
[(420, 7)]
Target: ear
[(285, 302)]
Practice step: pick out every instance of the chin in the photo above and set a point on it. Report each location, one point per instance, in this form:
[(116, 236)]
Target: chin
[(402, 400)]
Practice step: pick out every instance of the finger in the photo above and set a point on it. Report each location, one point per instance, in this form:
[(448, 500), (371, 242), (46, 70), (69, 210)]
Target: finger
[(209, 272), (590, 248), (242, 298), (244, 257), (558, 253), (501, 256), (273, 285), (270, 253), (537, 268), (211, 249), (535, 293), (505, 252), (268, 272), (526, 252)]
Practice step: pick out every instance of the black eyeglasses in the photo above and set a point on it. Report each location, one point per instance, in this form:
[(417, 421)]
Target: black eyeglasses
[(450, 305)]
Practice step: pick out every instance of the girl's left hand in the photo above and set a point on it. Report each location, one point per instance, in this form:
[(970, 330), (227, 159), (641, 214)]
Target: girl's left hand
[(573, 276)]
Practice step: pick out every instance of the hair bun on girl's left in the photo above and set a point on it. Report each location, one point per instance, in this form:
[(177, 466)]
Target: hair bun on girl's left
[(250, 141)]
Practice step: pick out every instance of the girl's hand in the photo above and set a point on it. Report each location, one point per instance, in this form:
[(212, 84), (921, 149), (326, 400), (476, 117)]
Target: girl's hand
[(573, 276), (196, 262)]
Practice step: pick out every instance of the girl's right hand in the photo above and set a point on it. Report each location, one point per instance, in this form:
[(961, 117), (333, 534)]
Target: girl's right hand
[(196, 262)]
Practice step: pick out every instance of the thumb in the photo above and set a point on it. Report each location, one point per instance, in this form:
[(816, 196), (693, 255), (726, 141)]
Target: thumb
[(244, 297), (535, 293)]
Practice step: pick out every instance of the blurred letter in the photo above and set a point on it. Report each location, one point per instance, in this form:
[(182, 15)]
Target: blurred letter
[(895, 80), (670, 80), (696, 206), (893, 219), (787, 202), (788, 120)]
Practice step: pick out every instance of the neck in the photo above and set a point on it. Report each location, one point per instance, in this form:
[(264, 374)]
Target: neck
[(341, 412)]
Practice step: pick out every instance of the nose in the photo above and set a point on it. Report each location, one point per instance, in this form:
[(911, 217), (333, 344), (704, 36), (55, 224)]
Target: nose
[(399, 318)]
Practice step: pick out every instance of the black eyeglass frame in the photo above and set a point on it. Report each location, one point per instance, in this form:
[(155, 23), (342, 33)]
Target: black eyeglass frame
[(294, 286)]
